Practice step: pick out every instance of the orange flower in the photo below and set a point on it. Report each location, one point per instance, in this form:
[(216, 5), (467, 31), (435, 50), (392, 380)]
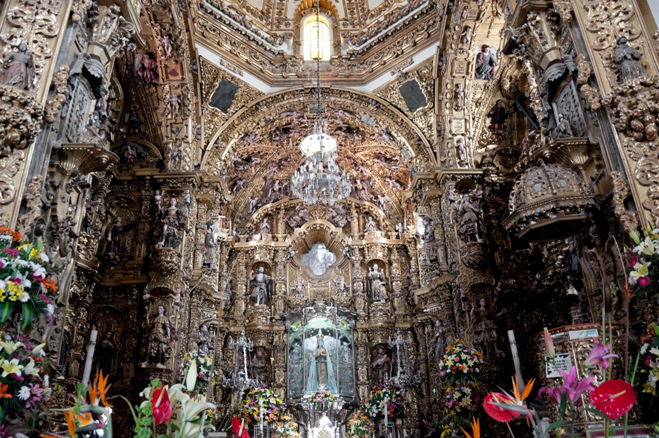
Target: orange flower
[(50, 284), (16, 236), (101, 384), (5, 230), (475, 429), (3, 391), (525, 393), (70, 423)]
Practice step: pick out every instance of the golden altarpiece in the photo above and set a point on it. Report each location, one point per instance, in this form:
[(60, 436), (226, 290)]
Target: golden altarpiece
[(495, 150)]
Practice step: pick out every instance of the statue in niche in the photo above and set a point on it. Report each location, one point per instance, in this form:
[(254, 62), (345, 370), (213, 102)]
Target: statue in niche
[(484, 327), (627, 60), (370, 225), (105, 355), (465, 37), (259, 362), (158, 200), (461, 146), (159, 339), (204, 341), (468, 220), (498, 116), (563, 127), (261, 287), (321, 363), (381, 365), (459, 97), (264, 227), (439, 338), (210, 242), (171, 226), (116, 236), (376, 283), (318, 259), (18, 68), (321, 367), (486, 63)]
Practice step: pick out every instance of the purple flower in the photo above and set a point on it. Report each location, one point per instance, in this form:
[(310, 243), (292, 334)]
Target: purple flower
[(572, 387), (598, 356), (644, 281)]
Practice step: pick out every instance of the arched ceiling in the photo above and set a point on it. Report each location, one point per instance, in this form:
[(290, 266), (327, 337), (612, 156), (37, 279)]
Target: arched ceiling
[(256, 151), (261, 37)]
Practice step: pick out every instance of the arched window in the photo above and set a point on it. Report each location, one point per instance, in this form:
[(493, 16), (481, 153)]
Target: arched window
[(316, 38)]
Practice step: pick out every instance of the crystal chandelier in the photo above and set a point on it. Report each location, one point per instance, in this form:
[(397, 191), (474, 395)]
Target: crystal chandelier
[(320, 180)]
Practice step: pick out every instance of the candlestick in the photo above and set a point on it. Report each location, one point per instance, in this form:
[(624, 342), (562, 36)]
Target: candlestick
[(90, 356), (386, 416)]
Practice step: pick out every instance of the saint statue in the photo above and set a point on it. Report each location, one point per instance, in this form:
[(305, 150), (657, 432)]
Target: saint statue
[(261, 287), (486, 63), (627, 59), (160, 337), (381, 365), (439, 339), (18, 68), (484, 327), (321, 369), (321, 363), (370, 225), (204, 342), (377, 287)]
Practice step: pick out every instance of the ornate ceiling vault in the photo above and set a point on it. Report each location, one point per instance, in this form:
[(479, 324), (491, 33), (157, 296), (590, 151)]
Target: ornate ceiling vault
[(370, 38)]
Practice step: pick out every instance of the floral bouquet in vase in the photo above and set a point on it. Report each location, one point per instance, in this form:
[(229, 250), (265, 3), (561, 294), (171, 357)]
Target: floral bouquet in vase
[(285, 427), (460, 361), (360, 426), (23, 384), (262, 404), (27, 285), (387, 399), (320, 399), (644, 262), (203, 367)]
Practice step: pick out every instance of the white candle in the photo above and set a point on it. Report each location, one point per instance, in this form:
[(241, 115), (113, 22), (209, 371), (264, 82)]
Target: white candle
[(386, 416), (90, 356)]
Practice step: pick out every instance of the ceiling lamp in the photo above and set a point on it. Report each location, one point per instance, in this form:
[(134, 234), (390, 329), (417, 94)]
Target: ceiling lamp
[(320, 180)]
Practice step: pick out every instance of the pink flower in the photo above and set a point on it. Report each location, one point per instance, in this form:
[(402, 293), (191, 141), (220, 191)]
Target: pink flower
[(12, 252), (644, 281), (598, 356), (572, 388), (633, 261)]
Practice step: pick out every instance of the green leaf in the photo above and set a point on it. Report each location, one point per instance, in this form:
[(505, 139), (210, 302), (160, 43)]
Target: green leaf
[(28, 314), (598, 413), (556, 425), (6, 308)]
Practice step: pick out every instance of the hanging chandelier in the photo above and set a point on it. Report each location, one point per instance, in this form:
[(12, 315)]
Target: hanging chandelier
[(320, 180)]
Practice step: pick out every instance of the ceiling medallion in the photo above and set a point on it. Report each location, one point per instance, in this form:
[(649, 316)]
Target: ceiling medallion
[(320, 180)]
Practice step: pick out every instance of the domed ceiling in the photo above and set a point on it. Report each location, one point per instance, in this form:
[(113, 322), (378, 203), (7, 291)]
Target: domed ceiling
[(370, 37), (256, 151)]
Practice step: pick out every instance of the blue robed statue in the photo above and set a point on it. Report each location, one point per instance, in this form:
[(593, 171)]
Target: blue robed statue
[(321, 369)]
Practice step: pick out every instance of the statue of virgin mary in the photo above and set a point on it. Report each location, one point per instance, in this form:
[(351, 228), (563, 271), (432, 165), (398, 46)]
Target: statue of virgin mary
[(320, 370)]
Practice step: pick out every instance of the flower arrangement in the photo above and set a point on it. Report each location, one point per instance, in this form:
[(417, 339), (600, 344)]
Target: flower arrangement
[(650, 359), (203, 366), (320, 399), (385, 396), (360, 426), (460, 361), (262, 403), (285, 427), (461, 398), (644, 261), (23, 384), (27, 284)]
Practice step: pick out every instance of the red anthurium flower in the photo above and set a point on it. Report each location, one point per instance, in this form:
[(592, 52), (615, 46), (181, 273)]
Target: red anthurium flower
[(614, 398), (239, 428), (161, 406), (500, 414)]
